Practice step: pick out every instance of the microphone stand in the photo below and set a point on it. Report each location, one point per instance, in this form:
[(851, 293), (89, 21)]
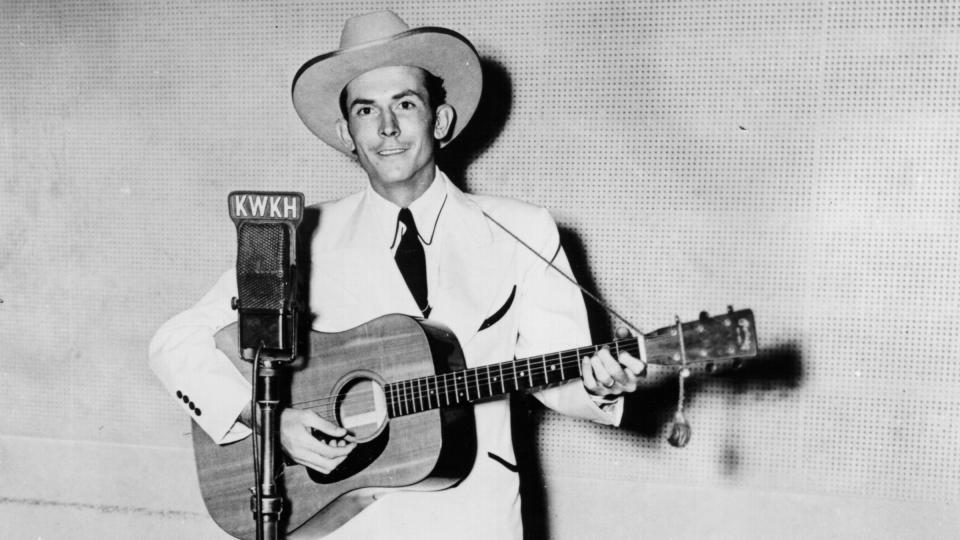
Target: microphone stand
[(265, 502)]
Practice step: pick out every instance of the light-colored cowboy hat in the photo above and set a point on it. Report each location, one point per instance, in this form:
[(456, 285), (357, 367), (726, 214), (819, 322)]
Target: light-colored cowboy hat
[(382, 39)]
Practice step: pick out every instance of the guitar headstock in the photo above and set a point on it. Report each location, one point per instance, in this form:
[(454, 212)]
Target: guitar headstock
[(705, 340)]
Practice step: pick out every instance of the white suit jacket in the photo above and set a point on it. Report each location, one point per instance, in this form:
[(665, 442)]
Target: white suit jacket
[(476, 267)]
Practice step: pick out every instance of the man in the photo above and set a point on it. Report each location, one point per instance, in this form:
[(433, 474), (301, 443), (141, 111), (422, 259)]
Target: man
[(392, 97)]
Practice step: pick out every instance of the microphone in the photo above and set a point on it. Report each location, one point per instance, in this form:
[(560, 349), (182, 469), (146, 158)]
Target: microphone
[(266, 271)]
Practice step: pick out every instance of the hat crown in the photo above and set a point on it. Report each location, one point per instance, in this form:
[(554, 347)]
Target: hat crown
[(371, 27), (379, 39)]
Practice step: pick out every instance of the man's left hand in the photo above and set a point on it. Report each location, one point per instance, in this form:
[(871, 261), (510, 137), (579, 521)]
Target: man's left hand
[(605, 376)]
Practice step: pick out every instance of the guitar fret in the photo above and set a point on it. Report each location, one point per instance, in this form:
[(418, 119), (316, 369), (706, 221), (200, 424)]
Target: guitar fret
[(466, 383), (424, 393), (420, 394), (446, 389), (433, 392), (413, 397), (396, 399), (477, 381), (408, 400), (516, 385), (530, 373), (439, 379), (456, 391), (489, 382), (502, 387), (389, 392)]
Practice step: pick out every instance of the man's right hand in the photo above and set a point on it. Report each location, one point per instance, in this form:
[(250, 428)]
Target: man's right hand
[(313, 441)]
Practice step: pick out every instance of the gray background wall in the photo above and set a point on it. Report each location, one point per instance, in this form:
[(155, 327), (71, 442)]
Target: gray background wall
[(798, 158)]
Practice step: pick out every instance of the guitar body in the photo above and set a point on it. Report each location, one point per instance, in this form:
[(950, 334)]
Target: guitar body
[(430, 450)]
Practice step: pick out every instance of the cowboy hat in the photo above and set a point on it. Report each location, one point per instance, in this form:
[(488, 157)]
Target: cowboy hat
[(382, 39)]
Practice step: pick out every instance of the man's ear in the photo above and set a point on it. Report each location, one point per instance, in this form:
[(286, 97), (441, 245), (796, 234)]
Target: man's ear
[(344, 132), (445, 116)]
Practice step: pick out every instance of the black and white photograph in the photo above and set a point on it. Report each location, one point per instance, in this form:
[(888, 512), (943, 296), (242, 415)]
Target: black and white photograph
[(516, 269)]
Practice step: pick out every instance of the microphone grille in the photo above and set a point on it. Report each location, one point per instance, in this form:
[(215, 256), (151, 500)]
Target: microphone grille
[(263, 257)]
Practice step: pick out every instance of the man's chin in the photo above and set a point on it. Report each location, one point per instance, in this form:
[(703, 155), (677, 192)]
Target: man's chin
[(394, 177)]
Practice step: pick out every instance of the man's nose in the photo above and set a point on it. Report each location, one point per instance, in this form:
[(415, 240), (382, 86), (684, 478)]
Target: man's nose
[(388, 125)]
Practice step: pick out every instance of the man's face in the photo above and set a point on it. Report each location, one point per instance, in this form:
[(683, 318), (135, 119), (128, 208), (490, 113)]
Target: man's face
[(392, 128)]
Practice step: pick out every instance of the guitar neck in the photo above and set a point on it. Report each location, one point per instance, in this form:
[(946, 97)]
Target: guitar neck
[(699, 341), (484, 382)]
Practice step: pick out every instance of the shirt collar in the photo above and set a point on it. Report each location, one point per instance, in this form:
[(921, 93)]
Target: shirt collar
[(426, 211)]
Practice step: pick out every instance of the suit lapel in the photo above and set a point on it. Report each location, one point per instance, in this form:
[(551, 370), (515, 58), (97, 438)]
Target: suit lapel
[(472, 269), (355, 272)]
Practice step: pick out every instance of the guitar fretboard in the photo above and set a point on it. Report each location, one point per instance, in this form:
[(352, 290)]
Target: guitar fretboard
[(483, 382)]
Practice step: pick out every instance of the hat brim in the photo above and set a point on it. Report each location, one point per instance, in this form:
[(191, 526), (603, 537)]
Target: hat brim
[(445, 53)]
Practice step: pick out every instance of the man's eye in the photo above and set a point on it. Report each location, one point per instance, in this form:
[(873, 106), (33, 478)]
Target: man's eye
[(362, 111), (407, 105)]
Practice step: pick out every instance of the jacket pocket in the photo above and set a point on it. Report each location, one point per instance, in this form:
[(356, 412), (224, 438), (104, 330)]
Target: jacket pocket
[(509, 466), (497, 315)]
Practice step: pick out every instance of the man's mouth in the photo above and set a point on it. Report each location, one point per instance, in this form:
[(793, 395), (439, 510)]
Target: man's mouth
[(386, 152)]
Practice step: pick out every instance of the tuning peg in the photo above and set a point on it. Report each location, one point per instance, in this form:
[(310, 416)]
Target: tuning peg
[(704, 316), (729, 309)]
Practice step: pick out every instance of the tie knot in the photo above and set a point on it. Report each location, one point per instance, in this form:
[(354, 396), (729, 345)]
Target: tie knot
[(406, 217)]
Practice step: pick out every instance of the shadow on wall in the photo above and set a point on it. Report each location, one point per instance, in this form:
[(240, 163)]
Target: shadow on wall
[(778, 369), (649, 411), (487, 123), (597, 317)]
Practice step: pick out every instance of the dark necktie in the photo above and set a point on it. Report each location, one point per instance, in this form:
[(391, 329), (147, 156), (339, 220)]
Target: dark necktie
[(412, 262)]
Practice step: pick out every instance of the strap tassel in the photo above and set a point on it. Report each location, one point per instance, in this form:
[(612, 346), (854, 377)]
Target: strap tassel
[(679, 431)]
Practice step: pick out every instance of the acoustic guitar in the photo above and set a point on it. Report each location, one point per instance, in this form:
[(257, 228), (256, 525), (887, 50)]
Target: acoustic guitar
[(401, 387)]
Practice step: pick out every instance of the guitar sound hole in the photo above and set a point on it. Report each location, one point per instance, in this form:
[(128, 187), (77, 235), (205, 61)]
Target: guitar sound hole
[(362, 407)]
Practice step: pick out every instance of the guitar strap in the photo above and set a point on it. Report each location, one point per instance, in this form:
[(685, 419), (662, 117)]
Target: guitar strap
[(680, 428), (565, 276)]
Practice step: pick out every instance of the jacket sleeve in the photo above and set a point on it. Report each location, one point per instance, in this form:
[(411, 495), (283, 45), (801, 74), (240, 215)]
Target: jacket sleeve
[(552, 318), (199, 376)]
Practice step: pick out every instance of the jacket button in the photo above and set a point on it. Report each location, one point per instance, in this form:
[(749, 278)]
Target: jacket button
[(179, 394), (186, 399), (190, 405), (197, 411)]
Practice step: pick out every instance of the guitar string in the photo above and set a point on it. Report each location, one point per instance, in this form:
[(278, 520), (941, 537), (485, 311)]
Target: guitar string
[(538, 368), (412, 390), (475, 379), (631, 345)]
